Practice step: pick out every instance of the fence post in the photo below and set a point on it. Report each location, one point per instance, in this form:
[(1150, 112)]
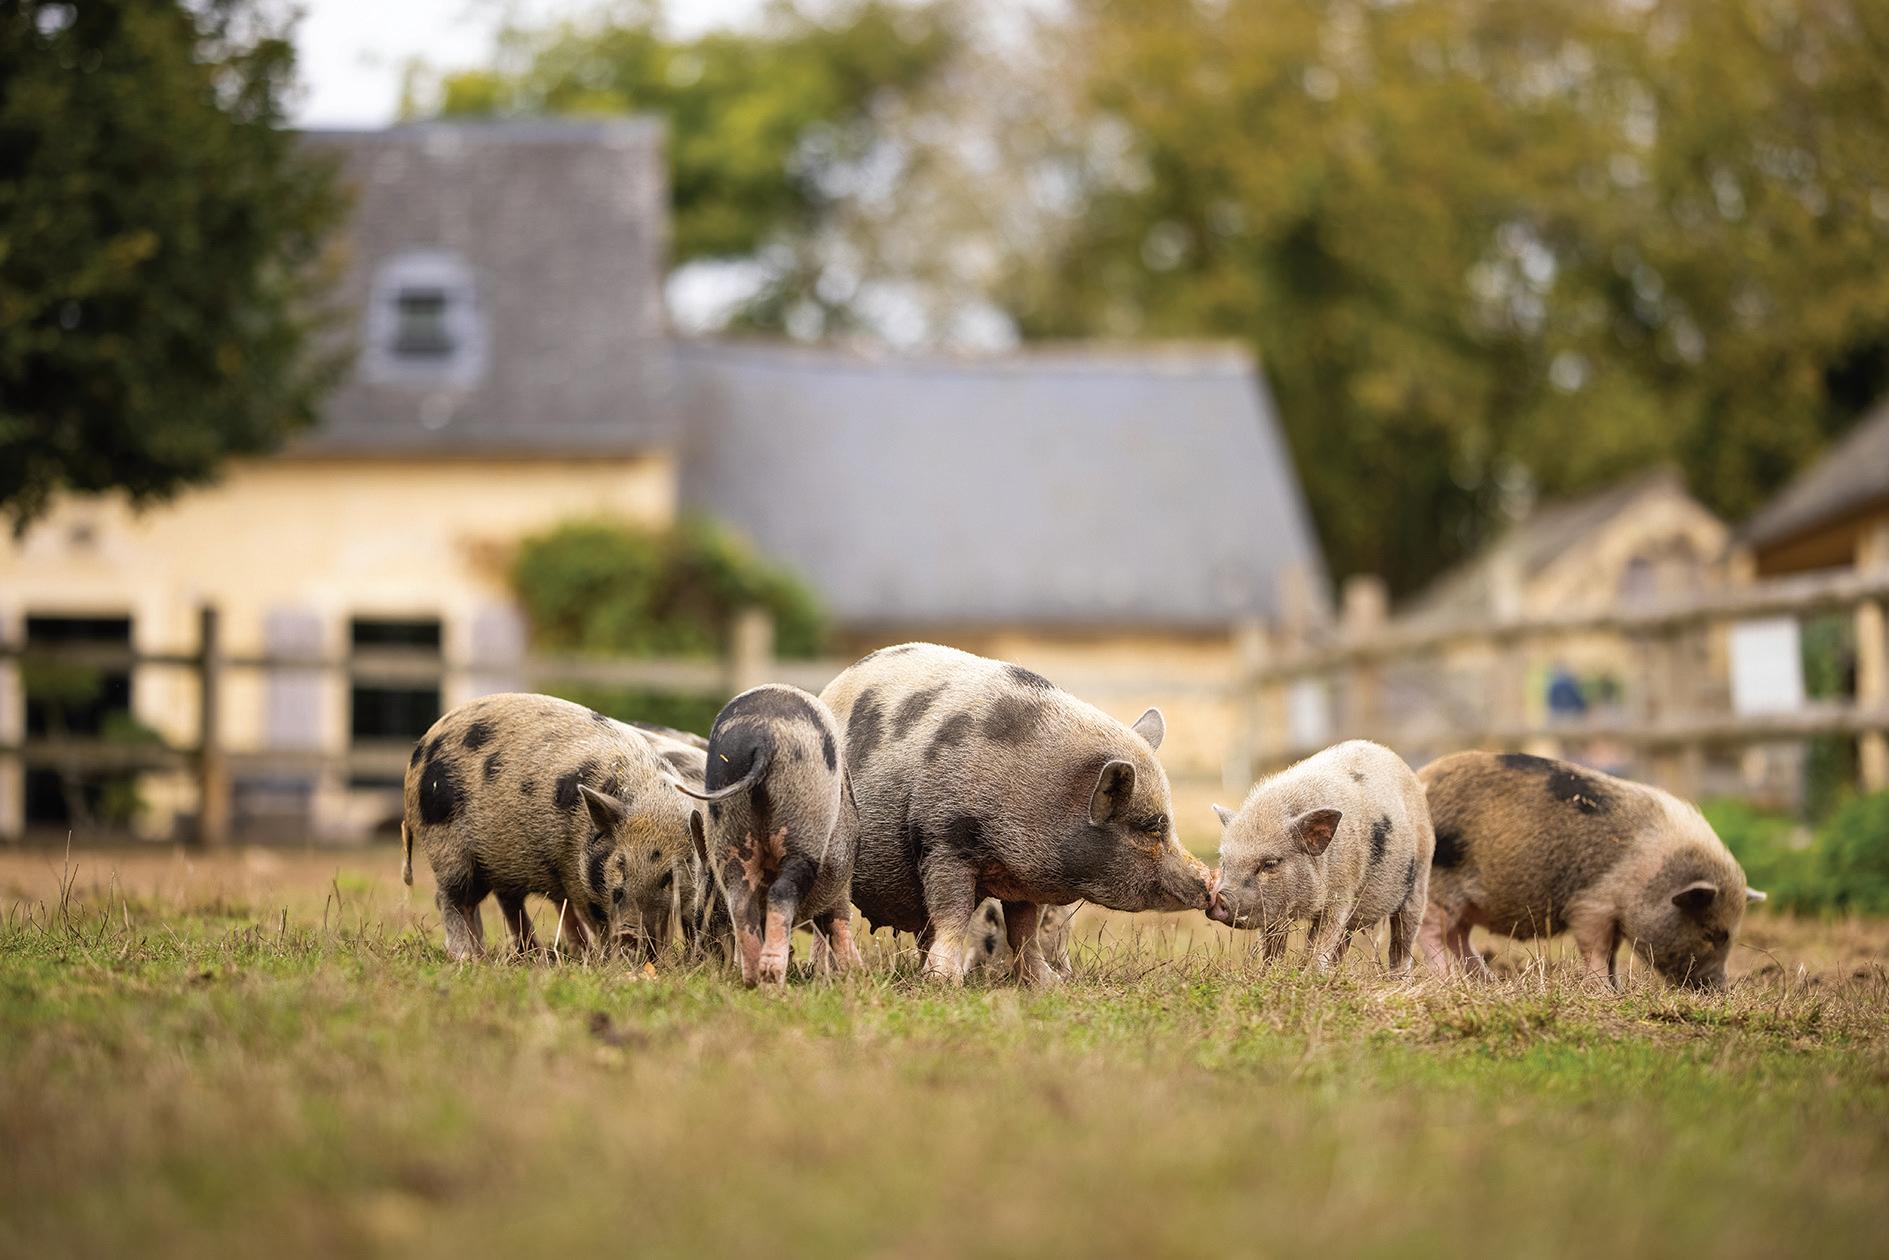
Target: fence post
[(1365, 606), (1872, 660), (750, 649), (213, 776)]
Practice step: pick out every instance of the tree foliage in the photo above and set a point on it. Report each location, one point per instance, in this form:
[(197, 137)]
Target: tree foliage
[(1489, 247), (159, 239)]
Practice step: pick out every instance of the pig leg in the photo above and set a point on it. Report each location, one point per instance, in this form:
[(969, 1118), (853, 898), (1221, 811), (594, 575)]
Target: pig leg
[(1021, 922), (745, 907), (461, 920), (1331, 933), (518, 920), (836, 927), (573, 936), (1406, 924), (783, 900), (951, 899), (1597, 936)]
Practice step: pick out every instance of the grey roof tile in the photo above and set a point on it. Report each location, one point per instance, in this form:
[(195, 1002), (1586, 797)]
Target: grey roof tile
[(1849, 477), (1139, 487), (562, 227)]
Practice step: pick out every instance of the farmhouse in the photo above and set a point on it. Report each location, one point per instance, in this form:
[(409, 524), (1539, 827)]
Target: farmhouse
[(1118, 513)]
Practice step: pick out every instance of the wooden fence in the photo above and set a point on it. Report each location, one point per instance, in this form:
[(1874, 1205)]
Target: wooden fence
[(1679, 707)]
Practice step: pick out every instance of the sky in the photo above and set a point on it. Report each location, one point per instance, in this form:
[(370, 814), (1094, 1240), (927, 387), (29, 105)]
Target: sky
[(351, 52)]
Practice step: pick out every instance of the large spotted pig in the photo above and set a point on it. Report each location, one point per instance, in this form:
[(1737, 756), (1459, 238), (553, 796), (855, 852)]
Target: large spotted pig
[(1342, 839), (515, 795), (978, 779), (781, 827), (1528, 847)]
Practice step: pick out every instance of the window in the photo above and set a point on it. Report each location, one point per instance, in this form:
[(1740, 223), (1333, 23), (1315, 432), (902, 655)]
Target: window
[(77, 702), (422, 331), (387, 703), (424, 325)]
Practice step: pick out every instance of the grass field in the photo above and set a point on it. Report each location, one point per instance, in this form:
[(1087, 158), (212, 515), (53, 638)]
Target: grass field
[(267, 1053)]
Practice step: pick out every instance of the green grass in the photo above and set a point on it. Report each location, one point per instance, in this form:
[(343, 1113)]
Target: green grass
[(272, 1055)]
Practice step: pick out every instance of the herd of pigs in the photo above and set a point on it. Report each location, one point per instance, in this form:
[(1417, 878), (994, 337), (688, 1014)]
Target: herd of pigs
[(972, 803)]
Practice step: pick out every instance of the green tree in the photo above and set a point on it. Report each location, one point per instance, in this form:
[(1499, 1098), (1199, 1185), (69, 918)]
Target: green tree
[(1492, 247), (767, 128), (159, 239)]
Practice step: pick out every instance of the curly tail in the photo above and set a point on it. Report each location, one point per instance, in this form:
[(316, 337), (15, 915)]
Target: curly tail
[(406, 854), (746, 781)]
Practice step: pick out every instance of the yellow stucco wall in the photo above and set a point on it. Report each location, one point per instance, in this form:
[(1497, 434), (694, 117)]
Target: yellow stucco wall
[(338, 539)]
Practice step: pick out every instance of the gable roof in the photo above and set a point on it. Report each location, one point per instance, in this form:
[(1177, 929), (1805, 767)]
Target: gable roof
[(1140, 487), (1849, 477), (561, 227), (1552, 531)]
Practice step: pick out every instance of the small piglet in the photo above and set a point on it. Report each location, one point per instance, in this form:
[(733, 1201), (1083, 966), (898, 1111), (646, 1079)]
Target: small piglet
[(516, 795), (1342, 839), (1528, 847), (781, 827)]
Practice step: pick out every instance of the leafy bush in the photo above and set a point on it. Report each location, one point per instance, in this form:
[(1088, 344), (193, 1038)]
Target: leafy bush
[(1844, 869), (613, 588)]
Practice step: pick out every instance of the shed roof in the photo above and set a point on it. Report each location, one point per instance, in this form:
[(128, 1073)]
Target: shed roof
[(1146, 486), (1849, 477), (561, 226)]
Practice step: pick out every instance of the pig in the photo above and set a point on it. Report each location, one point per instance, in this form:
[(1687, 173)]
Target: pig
[(990, 943), (781, 827), (1531, 847), (1342, 839), (976, 778), (705, 924), (517, 795), (685, 751)]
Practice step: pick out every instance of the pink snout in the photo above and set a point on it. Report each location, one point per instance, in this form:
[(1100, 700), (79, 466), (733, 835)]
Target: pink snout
[(1217, 908)]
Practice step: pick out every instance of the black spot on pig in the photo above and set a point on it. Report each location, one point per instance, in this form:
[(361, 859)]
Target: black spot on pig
[(912, 708), (1357, 776), (1578, 790), (599, 717), (1527, 763), (478, 735), (595, 856), (1380, 837), (464, 886), (1449, 849), (565, 795), (598, 913), (953, 731), (528, 788), (714, 811), (1030, 678), (773, 704), (414, 760), (1410, 879), (432, 749), (829, 753), (492, 765), (964, 836), (1012, 719), (441, 794), (864, 729)]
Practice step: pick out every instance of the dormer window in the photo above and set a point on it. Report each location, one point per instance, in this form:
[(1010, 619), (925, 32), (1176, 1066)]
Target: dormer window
[(421, 331), (425, 326)]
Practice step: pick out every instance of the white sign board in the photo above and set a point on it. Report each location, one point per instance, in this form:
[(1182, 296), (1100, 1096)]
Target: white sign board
[(1767, 667), (1308, 714)]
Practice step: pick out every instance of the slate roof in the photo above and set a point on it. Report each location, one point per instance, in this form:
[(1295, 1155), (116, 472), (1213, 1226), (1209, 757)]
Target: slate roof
[(1851, 476), (1548, 533), (1140, 487), (563, 228)]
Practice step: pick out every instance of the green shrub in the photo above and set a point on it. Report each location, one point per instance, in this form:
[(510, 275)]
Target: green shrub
[(1853, 854), (611, 588), (1773, 851)]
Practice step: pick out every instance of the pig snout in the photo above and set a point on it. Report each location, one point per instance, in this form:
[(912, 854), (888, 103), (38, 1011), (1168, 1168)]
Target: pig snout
[(1217, 908), (1186, 882)]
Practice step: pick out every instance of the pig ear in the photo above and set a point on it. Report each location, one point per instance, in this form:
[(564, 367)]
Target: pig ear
[(1152, 727), (698, 834), (1113, 787), (1696, 897), (606, 811), (1314, 829), (1753, 896), (1224, 814)]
